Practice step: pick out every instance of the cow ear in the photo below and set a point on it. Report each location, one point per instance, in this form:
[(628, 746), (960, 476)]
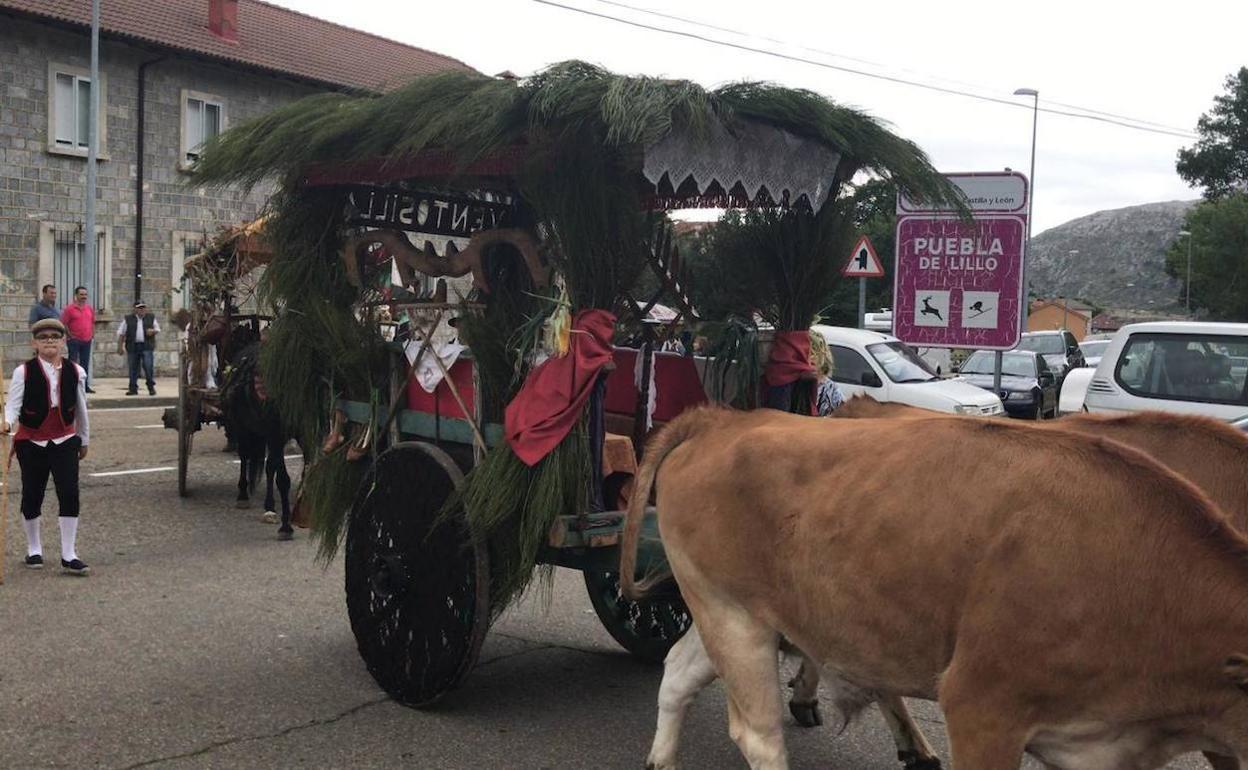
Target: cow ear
[(1236, 669)]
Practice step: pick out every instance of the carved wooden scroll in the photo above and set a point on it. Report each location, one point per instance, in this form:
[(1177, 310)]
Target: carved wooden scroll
[(427, 261)]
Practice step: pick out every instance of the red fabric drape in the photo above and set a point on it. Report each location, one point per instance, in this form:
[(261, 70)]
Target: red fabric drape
[(790, 358), (550, 401)]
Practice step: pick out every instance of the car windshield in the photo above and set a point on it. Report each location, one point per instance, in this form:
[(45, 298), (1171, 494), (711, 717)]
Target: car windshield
[(1045, 344), (981, 362), (900, 363), (1094, 348)]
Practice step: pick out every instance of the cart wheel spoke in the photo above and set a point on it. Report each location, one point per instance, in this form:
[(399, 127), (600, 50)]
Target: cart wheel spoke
[(648, 628)]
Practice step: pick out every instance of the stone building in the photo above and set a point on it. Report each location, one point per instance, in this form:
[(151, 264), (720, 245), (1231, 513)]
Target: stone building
[(172, 73)]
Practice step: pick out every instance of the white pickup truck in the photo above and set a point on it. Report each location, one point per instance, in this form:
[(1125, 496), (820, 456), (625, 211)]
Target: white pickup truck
[(887, 369), (1188, 367)]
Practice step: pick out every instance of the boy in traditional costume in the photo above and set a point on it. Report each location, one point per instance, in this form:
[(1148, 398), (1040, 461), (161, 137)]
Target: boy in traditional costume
[(48, 403)]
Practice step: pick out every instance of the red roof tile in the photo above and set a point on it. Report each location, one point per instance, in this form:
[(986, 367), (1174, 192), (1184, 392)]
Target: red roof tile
[(269, 37)]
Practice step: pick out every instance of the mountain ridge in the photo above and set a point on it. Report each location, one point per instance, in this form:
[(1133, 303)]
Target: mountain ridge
[(1120, 261)]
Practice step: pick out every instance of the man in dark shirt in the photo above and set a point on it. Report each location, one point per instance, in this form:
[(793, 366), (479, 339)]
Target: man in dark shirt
[(45, 307)]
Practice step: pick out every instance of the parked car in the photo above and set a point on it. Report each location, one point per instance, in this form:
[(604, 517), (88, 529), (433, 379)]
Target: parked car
[(887, 369), (938, 359), (1059, 348), (1093, 346), (1175, 366), (1028, 386)]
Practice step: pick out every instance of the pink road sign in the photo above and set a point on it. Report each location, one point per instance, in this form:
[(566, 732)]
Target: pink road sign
[(960, 284)]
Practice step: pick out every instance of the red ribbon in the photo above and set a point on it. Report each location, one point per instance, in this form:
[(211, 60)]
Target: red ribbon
[(551, 399), (790, 358), (789, 361)]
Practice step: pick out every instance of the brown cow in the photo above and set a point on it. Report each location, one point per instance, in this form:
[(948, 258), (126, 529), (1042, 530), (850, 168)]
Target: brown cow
[(1031, 614), (1207, 452)]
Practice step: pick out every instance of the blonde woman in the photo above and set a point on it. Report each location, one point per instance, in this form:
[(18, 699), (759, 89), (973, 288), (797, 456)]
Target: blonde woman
[(827, 395)]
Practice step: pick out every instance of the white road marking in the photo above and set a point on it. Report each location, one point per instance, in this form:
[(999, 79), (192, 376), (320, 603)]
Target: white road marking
[(136, 470), (284, 457), (123, 408)]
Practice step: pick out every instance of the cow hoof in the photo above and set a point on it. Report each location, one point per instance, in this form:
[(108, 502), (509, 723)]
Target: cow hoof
[(242, 504), (285, 534), (269, 517), (806, 714), (912, 761)]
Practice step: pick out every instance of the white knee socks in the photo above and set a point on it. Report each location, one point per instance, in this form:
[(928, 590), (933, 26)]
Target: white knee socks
[(34, 545), (69, 536)]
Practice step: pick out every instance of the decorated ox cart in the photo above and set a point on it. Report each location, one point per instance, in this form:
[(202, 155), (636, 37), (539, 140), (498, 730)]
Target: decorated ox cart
[(454, 261), (217, 282)]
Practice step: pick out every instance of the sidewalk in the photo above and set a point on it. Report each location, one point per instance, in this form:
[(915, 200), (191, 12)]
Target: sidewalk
[(110, 393)]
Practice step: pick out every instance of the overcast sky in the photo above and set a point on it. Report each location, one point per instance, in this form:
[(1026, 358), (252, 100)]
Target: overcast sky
[(1155, 66)]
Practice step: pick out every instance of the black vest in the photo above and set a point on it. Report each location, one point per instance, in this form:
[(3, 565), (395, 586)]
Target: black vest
[(35, 395), (149, 321)]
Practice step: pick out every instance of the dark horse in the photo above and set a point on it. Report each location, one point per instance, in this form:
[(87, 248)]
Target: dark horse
[(257, 429)]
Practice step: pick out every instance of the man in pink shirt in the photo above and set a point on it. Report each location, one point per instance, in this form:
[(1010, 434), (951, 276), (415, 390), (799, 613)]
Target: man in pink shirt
[(79, 318)]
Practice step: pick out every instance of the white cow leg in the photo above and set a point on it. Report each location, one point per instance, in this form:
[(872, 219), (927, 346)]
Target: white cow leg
[(745, 653), (687, 670), (913, 749)]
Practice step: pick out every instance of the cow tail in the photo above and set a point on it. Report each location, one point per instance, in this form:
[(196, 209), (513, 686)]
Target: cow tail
[(658, 447)]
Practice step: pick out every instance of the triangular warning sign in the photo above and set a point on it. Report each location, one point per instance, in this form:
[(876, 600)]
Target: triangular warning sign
[(863, 261)]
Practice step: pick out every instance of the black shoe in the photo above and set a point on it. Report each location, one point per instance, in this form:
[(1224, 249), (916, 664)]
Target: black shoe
[(132, 392), (75, 567), (90, 389), (151, 390), (34, 562)]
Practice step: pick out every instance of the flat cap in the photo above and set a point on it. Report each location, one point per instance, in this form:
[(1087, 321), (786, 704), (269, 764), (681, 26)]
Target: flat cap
[(47, 325)]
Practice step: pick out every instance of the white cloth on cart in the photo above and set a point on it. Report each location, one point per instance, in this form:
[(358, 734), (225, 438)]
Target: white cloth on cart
[(654, 390), (427, 372)]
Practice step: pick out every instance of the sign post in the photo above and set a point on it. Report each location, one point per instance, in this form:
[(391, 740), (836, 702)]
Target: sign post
[(959, 284), (863, 263)]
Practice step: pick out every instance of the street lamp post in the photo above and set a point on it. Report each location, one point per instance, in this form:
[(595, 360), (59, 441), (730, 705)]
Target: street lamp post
[(1187, 287), (1035, 113)]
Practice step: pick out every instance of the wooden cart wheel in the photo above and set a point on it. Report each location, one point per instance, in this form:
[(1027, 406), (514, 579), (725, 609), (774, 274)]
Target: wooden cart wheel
[(648, 628), (417, 593)]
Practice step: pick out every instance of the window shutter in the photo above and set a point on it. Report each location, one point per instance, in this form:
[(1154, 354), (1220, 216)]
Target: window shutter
[(64, 106), (84, 111), (194, 127)]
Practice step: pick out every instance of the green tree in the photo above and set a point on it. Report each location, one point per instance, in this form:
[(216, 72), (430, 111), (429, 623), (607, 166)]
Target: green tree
[(1219, 254), (1218, 162)]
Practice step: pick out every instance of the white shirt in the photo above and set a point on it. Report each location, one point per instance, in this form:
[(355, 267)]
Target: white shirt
[(138, 333), (17, 390)]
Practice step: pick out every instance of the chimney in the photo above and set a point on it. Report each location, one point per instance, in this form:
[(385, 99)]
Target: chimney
[(223, 19)]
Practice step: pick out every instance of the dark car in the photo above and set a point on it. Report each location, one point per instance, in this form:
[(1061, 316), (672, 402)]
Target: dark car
[(1059, 348), (1028, 385)]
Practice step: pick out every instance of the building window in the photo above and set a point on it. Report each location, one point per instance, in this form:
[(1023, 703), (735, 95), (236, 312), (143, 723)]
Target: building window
[(185, 246), (62, 259), (203, 117), (69, 111)]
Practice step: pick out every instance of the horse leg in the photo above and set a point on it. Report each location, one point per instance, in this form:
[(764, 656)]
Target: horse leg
[(275, 469), (244, 485)]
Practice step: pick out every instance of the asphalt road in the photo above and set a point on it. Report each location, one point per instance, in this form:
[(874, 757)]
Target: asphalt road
[(201, 641)]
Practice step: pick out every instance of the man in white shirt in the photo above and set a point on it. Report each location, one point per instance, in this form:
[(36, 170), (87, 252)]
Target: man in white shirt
[(136, 337), (48, 403)]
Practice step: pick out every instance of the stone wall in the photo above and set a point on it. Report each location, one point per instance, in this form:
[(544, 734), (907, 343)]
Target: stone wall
[(40, 188)]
